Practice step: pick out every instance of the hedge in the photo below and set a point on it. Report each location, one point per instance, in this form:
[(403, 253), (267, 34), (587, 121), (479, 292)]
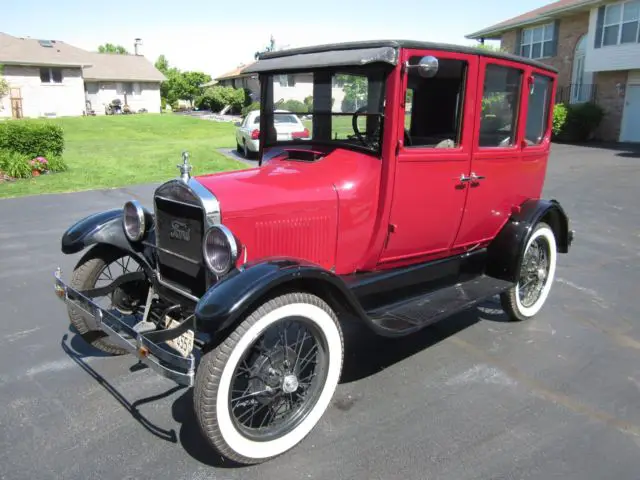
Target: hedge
[(31, 138)]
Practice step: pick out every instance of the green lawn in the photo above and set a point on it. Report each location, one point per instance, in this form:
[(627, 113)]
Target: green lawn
[(113, 151)]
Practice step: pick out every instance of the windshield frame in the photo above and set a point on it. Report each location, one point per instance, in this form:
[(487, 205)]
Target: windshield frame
[(370, 70)]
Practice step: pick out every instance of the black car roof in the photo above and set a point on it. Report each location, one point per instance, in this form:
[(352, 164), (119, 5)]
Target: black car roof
[(396, 44)]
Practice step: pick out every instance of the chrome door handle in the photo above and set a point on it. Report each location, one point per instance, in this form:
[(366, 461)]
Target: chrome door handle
[(475, 178), (463, 178)]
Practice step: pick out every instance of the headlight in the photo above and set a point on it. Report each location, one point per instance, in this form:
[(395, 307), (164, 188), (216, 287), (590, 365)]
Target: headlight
[(133, 220), (219, 249)]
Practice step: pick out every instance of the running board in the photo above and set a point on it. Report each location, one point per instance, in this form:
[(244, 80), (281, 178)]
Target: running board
[(410, 315)]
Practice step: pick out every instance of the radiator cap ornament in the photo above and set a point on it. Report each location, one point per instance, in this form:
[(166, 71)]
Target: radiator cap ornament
[(185, 167)]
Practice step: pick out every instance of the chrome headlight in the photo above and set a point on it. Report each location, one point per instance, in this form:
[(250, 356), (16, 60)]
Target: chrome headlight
[(134, 221), (219, 249)]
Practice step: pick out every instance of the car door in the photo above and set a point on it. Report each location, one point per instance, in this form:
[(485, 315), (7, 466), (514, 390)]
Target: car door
[(496, 180), (433, 157)]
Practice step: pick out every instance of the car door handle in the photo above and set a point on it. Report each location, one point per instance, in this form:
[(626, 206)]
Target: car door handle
[(475, 178), (463, 178)]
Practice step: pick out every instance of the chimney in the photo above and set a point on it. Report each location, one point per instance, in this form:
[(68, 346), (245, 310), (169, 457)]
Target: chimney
[(136, 44)]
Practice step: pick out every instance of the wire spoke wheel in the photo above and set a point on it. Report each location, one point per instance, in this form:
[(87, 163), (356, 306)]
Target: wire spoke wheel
[(278, 379), (264, 388), (537, 270)]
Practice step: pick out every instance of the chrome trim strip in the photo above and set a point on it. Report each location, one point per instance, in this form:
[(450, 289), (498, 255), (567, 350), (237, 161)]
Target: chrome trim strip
[(209, 202), (177, 255), (177, 368)]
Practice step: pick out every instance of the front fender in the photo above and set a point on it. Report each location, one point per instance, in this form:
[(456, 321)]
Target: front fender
[(232, 297), (105, 228), (505, 252)]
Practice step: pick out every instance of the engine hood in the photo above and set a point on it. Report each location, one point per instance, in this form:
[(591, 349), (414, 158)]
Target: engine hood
[(290, 207)]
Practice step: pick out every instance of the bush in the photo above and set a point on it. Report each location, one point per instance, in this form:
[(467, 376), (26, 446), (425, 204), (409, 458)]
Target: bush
[(295, 106), (581, 122), (250, 108), (163, 104), (31, 138), (18, 165), (559, 118), (15, 164), (217, 97)]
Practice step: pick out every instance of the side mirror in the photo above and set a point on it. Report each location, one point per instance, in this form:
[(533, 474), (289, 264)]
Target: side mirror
[(427, 66)]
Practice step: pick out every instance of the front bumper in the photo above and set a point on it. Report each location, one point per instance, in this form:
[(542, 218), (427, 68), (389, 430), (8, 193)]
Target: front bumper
[(147, 347)]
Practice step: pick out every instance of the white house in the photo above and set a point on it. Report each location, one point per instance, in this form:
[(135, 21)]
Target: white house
[(49, 78), (286, 87), (595, 45)]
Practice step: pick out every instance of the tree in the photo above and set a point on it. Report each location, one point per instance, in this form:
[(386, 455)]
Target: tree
[(111, 48), (355, 92), (4, 85), (162, 64)]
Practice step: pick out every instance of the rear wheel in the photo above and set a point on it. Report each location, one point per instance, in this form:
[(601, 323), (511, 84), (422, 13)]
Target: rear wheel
[(98, 268), (261, 391), (537, 272)]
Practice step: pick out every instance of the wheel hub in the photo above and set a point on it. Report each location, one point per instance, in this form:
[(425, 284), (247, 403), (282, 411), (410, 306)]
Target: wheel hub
[(541, 273), (290, 383)]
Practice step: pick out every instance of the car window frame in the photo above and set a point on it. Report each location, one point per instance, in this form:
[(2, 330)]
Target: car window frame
[(522, 105), (426, 153)]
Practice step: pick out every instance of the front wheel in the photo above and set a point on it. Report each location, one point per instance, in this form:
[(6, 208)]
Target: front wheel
[(537, 271), (263, 389)]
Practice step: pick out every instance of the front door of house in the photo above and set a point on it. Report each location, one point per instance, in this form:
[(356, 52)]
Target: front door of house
[(433, 158), (631, 115)]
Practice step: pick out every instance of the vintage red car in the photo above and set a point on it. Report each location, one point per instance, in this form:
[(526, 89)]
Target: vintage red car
[(417, 195)]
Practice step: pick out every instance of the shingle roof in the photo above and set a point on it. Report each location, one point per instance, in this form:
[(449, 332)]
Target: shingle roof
[(111, 66), (235, 73), (532, 16), (95, 66), (28, 51)]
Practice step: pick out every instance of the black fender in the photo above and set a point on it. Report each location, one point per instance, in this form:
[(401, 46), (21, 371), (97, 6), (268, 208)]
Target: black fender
[(243, 289), (504, 254), (106, 228)]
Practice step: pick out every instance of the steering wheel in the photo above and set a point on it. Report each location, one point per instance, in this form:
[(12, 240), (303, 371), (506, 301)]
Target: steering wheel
[(354, 124)]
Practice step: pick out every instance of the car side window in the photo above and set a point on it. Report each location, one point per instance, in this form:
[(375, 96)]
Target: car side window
[(500, 106), (434, 106), (538, 112)]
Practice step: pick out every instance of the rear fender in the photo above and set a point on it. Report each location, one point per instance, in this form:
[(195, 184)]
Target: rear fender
[(106, 228), (243, 290), (505, 252)]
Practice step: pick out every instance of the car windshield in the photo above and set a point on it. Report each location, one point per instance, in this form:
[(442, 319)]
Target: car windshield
[(340, 108)]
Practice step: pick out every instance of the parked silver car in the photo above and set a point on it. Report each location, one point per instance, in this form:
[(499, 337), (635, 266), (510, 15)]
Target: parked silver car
[(288, 127)]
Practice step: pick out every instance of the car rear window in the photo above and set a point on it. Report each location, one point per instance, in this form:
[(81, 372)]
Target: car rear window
[(285, 119)]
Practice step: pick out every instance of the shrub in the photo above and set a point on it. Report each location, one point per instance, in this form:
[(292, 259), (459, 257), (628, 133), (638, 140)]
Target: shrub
[(559, 118), (56, 163), (217, 97), (295, 106), (163, 104), (251, 107), (15, 164), (31, 138), (581, 122)]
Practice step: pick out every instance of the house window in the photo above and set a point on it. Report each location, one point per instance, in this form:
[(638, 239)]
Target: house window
[(621, 23), (50, 75), (125, 88), (537, 42), (287, 80)]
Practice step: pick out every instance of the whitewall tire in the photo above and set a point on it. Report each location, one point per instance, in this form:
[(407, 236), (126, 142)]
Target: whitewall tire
[(260, 392), (537, 272)]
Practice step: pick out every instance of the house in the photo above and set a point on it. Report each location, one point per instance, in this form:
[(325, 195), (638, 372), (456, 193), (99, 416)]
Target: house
[(287, 87), (595, 45), (50, 78)]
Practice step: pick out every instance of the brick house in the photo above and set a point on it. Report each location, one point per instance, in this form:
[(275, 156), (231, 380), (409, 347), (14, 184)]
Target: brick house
[(595, 45)]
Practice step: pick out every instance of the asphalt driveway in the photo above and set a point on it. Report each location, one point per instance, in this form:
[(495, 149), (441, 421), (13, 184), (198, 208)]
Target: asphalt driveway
[(472, 397)]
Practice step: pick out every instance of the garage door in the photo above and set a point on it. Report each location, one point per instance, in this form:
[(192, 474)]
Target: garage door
[(631, 116)]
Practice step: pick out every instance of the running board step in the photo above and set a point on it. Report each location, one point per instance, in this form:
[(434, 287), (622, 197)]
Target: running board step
[(418, 312)]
